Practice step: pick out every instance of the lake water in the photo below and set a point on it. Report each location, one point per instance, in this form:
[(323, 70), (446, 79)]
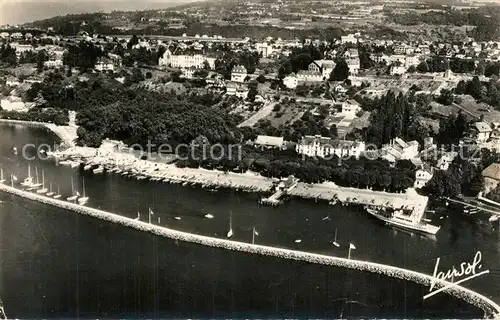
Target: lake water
[(56, 263)]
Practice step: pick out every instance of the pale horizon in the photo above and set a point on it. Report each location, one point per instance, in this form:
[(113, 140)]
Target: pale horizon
[(14, 12)]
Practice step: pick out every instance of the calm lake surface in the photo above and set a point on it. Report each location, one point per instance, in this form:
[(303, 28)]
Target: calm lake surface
[(56, 263)]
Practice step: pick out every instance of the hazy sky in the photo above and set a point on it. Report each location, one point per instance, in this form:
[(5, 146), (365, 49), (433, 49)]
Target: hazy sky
[(21, 11)]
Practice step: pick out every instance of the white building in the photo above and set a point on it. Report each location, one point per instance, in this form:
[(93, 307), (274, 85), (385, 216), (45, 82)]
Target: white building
[(397, 70), (422, 176), (269, 142), (12, 104), (238, 74), (309, 76), (185, 61), (446, 159), (397, 149), (348, 39), (53, 64), (317, 146), (264, 49), (324, 66), (291, 81), (353, 65), (480, 132), (105, 65), (350, 107)]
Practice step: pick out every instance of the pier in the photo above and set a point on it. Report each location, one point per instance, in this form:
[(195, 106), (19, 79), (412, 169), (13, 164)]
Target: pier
[(282, 188), (491, 309)]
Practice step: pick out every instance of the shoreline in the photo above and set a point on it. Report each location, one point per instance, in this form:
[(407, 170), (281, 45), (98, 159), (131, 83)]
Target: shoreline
[(249, 181), (490, 308), (66, 134)]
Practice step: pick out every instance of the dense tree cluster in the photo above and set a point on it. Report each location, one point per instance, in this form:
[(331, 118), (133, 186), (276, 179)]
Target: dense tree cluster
[(299, 59), (229, 59), (395, 117), (488, 92), (362, 173), (7, 55), (84, 55), (59, 117), (464, 177)]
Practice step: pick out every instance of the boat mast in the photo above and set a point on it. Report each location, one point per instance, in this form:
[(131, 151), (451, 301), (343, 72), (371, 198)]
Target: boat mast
[(84, 187), (36, 173), (253, 235)]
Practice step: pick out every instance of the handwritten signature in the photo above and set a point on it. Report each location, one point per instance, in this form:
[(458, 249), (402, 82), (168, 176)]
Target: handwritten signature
[(466, 269)]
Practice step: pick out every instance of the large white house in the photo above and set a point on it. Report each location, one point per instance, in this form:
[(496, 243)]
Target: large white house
[(397, 149), (185, 61), (238, 74), (318, 146), (325, 67)]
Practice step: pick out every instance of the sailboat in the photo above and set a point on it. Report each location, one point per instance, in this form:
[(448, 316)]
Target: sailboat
[(37, 184), (58, 195), (51, 193), (28, 182), (74, 195), (230, 232), (43, 190), (83, 200), (335, 243), (2, 179)]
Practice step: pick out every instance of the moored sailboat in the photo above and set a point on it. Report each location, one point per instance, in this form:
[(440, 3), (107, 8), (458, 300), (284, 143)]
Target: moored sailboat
[(335, 243), (50, 193), (2, 179), (74, 195), (58, 195), (83, 200), (43, 190), (28, 182), (37, 184), (230, 232)]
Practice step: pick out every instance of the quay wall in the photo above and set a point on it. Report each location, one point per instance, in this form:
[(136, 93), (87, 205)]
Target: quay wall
[(491, 309)]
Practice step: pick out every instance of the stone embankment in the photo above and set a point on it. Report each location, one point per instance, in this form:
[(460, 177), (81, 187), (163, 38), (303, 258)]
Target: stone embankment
[(491, 309)]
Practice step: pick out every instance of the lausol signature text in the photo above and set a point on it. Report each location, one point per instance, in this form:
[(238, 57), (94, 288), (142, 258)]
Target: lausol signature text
[(469, 269)]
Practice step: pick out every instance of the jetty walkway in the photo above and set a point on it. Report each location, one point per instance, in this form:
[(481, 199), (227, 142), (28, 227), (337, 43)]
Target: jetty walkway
[(491, 309)]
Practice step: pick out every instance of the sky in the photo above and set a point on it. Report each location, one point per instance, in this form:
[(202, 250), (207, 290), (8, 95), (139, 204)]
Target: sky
[(20, 11)]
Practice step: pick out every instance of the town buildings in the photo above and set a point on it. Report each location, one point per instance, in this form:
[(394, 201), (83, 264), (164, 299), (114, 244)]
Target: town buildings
[(185, 61), (324, 147), (238, 74)]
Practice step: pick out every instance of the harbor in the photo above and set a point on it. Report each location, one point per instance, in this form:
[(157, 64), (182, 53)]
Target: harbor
[(491, 309)]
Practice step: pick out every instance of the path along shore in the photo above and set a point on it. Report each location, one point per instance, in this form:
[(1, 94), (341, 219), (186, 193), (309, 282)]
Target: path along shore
[(491, 309), (248, 181)]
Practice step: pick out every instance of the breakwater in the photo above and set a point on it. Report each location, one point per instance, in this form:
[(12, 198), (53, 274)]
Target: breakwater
[(491, 309)]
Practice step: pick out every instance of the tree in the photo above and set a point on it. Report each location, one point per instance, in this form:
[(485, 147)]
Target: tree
[(423, 67), (132, 42), (149, 75), (446, 97), (206, 65), (340, 72)]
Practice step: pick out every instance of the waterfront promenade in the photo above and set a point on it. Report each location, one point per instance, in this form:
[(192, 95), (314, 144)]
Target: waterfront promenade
[(492, 310)]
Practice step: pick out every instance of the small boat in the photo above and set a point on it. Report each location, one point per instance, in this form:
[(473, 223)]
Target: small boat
[(177, 218), (83, 200), (298, 241), (209, 216), (493, 218), (58, 195), (74, 195), (230, 232), (43, 190), (2, 179), (98, 170), (118, 171), (185, 184), (138, 216), (124, 173), (141, 178), (37, 184), (65, 163), (87, 167), (50, 193), (326, 218), (14, 150), (335, 243), (28, 182), (75, 164)]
